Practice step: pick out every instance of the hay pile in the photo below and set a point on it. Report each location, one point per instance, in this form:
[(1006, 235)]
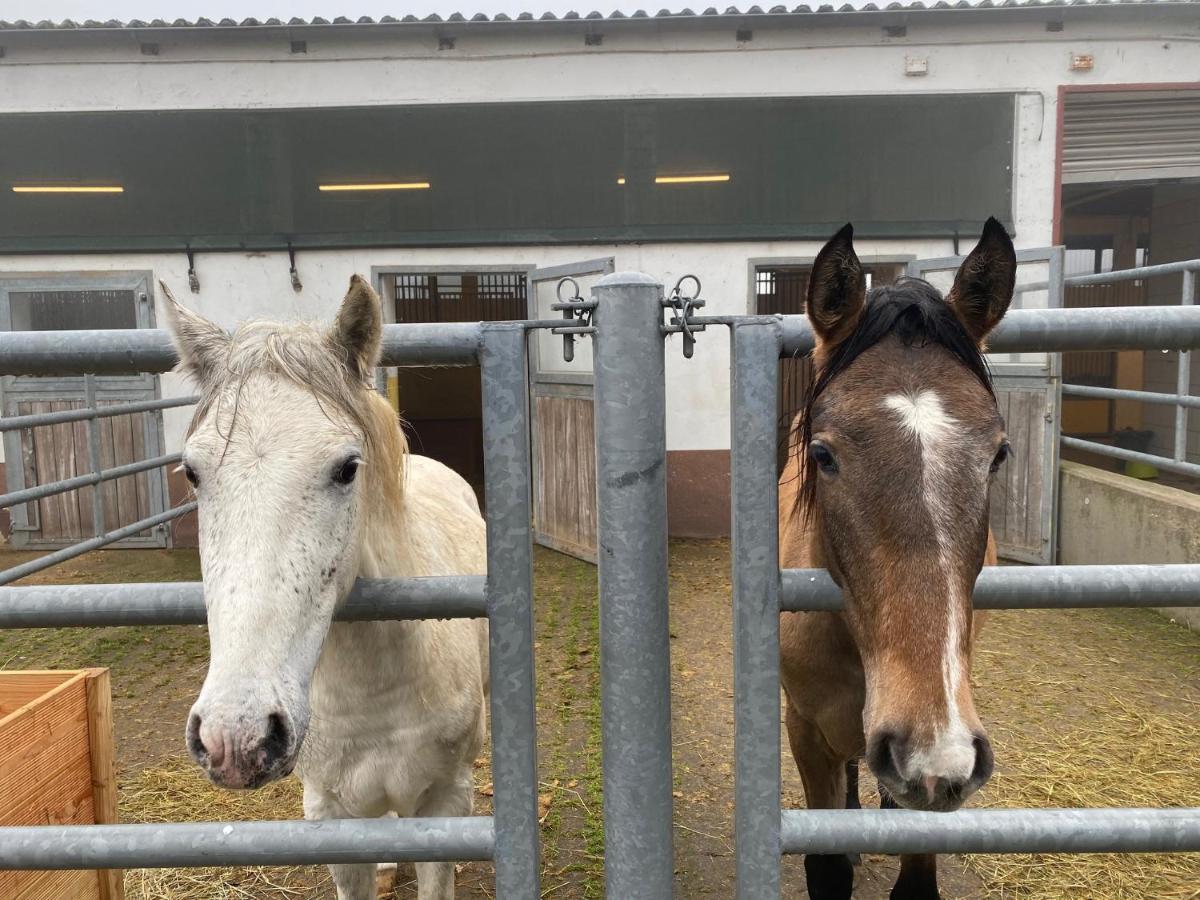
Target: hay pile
[(177, 792), (1089, 709)]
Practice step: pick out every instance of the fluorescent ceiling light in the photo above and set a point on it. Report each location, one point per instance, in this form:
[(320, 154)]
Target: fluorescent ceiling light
[(692, 179), (377, 186), (67, 189), (716, 178)]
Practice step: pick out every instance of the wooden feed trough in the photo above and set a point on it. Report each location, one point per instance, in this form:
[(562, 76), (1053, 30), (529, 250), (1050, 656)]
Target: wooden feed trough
[(56, 768)]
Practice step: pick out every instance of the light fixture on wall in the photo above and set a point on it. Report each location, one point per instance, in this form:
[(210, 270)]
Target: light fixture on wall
[(716, 178), (377, 186), (67, 189), (1082, 62), (713, 178)]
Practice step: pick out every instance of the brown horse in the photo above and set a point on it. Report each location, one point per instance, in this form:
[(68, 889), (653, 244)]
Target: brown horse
[(887, 487)]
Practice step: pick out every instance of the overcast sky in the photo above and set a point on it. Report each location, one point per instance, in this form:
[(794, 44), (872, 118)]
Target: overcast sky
[(285, 9)]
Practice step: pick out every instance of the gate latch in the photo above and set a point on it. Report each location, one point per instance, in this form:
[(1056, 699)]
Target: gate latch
[(573, 307), (682, 303)]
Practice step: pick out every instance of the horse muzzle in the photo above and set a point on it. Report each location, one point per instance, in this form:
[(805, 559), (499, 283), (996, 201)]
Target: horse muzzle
[(243, 754), (937, 779)]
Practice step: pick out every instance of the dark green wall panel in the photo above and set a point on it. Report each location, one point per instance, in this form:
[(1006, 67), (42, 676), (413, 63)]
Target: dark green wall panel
[(904, 166)]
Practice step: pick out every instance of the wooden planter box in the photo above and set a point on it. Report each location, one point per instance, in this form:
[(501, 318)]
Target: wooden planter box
[(56, 768)]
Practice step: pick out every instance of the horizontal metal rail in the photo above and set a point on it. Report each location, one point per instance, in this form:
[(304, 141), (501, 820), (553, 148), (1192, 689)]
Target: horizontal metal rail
[(182, 602), (121, 351), (1162, 462), (1022, 587), (1102, 278), (991, 831), (1055, 330), (45, 562), (1136, 274), (1103, 393), (181, 845), (37, 492), (36, 420)]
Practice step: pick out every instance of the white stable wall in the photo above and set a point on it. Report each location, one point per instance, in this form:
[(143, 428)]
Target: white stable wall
[(248, 69), (236, 286)]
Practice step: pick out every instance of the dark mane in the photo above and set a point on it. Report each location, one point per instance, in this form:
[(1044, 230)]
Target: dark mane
[(911, 309)]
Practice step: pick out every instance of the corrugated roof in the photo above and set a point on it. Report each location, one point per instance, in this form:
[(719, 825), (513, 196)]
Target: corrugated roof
[(685, 14)]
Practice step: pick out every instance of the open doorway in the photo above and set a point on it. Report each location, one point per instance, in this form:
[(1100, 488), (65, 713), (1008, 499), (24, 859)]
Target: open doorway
[(442, 408)]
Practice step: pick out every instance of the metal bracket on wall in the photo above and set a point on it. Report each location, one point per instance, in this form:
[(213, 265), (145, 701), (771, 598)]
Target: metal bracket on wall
[(193, 279), (682, 304), (572, 307), (297, 286)]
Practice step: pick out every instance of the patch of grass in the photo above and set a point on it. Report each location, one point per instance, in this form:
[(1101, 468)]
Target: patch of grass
[(593, 773), (550, 735)]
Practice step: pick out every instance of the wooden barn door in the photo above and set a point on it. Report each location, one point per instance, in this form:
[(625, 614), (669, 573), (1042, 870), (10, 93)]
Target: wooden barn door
[(1028, 390), (56, 452), (564, 439)]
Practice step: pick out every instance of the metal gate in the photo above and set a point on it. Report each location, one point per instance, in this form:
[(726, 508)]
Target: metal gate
[(45, 441), (625, 317), (564, 424), (504, 596), (761, 590)]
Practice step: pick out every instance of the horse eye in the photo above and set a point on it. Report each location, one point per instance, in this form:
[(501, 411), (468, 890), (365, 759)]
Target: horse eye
[(1001, 456), (344, 474), (190, 474), (823, 458)]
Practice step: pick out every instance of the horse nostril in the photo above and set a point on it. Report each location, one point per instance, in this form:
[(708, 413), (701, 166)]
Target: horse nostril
[(279, 737), (985, 761), (884, 753), (194, 743)]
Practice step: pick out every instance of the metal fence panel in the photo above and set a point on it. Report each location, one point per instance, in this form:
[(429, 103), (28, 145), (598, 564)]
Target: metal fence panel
[(505, 596), (758, 581)]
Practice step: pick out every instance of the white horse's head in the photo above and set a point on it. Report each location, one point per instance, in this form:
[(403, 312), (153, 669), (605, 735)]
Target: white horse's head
[(288, 449)]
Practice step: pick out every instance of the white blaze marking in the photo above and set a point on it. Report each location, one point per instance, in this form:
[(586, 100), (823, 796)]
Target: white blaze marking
[(923, 416)]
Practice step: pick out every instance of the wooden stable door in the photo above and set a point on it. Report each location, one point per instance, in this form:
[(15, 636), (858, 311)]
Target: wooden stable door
[(564, 436)]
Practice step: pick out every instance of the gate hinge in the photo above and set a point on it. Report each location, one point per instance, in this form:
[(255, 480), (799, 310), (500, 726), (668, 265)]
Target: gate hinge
[(572, 307), (682, 321)]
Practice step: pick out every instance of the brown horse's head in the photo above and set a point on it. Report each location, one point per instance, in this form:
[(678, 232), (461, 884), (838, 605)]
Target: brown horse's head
[(902, 436)]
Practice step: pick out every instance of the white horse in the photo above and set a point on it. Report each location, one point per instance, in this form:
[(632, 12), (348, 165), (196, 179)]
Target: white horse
[(304, 483)]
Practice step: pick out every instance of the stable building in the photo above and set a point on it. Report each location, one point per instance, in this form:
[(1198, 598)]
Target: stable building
[(468, 165)]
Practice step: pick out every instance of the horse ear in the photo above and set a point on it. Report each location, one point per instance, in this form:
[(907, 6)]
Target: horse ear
[(837, 289), (358, 329), (983, 287), (201, 344)]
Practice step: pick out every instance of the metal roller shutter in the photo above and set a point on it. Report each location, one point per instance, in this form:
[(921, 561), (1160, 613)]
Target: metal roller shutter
[(1131, 136)]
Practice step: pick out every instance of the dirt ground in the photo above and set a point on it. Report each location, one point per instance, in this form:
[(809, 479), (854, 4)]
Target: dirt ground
[(1048, 684)]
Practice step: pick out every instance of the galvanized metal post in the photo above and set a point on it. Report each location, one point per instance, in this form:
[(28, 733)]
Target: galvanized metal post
[(510, 610), (756, 582), (1183, 378), (635, 665), (93, 449)]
